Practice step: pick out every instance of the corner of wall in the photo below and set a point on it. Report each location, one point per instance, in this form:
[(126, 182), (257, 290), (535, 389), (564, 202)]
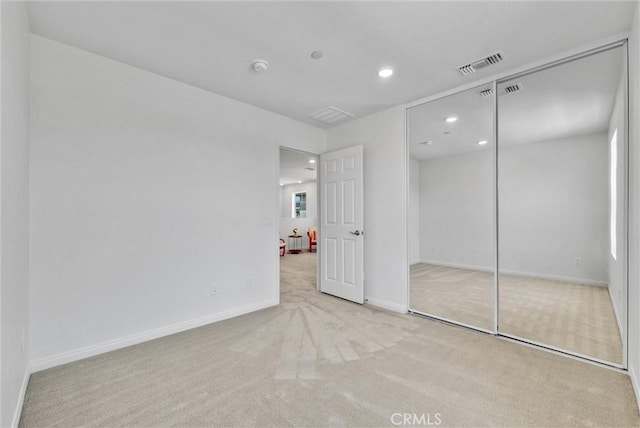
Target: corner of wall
[(633, 303)]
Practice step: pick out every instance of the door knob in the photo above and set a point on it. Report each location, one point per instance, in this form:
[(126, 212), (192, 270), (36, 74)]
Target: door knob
[(357, 232)]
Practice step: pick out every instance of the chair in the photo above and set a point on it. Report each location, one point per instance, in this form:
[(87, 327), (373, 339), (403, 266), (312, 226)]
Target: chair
[(283, 247), (312, 233)]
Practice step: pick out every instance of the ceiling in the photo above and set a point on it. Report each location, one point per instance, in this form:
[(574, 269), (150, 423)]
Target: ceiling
[(574, 98), (295, 167), (211, 45)]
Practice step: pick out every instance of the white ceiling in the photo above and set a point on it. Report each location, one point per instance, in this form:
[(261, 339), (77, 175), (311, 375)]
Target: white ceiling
[(211, 44), (575, 98), (295, 166)]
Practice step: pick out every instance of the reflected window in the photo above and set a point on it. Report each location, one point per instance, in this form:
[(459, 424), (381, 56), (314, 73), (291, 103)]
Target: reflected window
[(299, 205)]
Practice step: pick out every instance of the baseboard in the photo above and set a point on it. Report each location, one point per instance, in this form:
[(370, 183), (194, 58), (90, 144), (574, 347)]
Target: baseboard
[(458, 265), (583, 281), (23, 392), (635, 384), (112, 345), (616, 314), (379, 303)]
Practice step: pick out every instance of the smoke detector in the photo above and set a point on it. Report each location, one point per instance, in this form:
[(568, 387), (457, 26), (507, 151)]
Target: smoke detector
[(259, 65)]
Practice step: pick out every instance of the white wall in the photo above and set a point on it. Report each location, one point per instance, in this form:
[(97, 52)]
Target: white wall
[(553, 208), (144, 192), (385, 204), (287, 223), (14, 215), (414, 211), (634, 204), (456, 210)]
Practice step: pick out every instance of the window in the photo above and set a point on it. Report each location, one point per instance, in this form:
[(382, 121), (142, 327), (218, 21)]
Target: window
[(299, 205), (613, 192)]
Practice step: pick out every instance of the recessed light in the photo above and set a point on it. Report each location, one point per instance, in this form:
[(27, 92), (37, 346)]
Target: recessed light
[(385, 72), (451, 119), (482, 142), (299, 182), (426, 143), (312, 161), (281, 184)]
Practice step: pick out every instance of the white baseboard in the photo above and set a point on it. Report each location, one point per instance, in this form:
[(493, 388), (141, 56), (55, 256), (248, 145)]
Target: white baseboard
[(583, 281), (134, 339), (394, 307), (23, 392), (635, 382), (458, 265), (616, 314)]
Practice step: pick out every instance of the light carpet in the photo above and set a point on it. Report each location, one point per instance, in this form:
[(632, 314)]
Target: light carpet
[(566, 315), (319, 361)]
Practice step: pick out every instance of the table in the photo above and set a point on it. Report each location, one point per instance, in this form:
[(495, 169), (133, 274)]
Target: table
[(295, 244)]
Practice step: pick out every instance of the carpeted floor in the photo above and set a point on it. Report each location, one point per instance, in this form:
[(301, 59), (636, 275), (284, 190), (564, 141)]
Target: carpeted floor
[(319, 361), (566, 315)]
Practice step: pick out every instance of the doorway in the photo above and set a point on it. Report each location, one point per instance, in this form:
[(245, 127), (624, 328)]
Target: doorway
[(298, 222)]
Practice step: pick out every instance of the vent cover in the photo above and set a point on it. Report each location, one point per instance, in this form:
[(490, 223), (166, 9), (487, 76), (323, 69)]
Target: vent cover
[(513, 88), (309, 169), (330, 115), (486, 92), (479, 64)]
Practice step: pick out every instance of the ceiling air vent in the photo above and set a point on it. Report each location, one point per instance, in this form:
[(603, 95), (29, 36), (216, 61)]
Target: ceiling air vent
[(330, 115), (486, 92), (309, 169), (479, 64), (513, 88)]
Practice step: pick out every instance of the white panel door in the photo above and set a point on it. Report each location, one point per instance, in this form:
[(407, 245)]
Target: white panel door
[(341, 224)]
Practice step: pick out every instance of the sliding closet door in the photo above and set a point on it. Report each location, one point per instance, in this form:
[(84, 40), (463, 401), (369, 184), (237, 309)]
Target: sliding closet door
[(451, 226), (562, 204)]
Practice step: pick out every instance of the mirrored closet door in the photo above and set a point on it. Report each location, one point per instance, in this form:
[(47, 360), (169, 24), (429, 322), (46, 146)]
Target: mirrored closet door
[(526, 238), (451, 230), (561, 180)]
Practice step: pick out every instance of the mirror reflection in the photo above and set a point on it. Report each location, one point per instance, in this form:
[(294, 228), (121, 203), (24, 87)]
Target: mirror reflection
[(451, 227), (561, 177)]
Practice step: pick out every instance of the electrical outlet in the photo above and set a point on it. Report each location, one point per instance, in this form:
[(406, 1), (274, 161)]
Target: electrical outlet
[(578, 262), (214, 288)]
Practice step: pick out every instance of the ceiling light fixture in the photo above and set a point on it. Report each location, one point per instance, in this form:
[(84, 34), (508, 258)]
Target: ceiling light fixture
[(312, 161), (385, 72), (451, 119), (299, 182), (482, 142), (259, 65)]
